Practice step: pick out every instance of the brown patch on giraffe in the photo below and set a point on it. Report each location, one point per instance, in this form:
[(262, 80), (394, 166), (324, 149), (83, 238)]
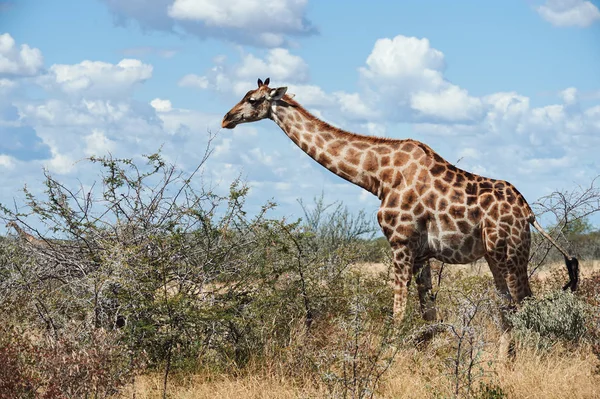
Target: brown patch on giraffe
[(361, 145), (442, 204), (347, 169), (383, 149), (406, 217), (429, 200), (460, 179), (312, 151), (419, 209), (386, 174), (408, 200), (353, 156), (457, 196), (493, 212), (327, 136), (471, 200), (392, 200), (441, 187), (423, 176), (463, 226), (471, 189), (324, 159), (370, 163), (447, 253), (319, 141), (309, 126), (469, 243), (449, 176), (437, 169), (404, 230), (410, 172), (486, 201), (485, 187), (474, 214), (408, 146), (510, 196), (401, 158), (422, 188), (505, 208), (499, 195), (517, 212), (508, 219), (387, 231), (457, 211), (385, 160), (390, 217), (398, 178), (336, 147), (304, 146)]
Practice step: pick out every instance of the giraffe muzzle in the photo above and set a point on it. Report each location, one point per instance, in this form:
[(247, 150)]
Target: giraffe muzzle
[(228, 122)]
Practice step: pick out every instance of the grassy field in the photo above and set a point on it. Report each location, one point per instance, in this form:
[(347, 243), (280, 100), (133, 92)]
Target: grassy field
[(415, 374), (561, 372)]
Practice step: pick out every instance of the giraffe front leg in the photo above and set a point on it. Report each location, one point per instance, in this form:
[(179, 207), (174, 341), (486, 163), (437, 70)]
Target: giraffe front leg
[(403, 265)]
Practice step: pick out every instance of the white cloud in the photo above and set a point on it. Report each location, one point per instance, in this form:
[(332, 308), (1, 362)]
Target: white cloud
[(569, 12), (192, 80), (404, 78), (23, 61), (451, 104), (266, 23), (7, 162), (279, 65), (408, 62), (97, 78), (60, 164), (353, 106), (98, 144), (161, 105), (569, 96)]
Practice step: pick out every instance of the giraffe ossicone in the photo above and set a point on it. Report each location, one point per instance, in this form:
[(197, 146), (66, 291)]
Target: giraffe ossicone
[(429, 207)]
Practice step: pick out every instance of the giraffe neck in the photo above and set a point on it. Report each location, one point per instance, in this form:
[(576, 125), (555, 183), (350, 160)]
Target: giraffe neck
[(351, 156)]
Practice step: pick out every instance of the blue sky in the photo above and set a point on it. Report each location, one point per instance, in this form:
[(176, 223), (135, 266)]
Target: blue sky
[(510, 88)]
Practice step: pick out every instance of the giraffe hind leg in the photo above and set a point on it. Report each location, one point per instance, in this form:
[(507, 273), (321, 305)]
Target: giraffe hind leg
[(422, 275)]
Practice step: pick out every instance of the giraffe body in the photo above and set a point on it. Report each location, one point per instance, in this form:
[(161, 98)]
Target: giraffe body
[(429, 208)]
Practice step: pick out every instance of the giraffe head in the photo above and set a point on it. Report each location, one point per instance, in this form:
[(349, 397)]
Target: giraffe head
[(255, 105)]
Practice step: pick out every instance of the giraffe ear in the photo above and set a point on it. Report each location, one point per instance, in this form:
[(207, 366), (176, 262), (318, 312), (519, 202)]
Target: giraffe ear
[(267, 81), (260, 82), (277, 94)]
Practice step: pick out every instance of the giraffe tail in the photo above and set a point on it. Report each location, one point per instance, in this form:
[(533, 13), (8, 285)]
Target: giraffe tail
[(570, 261)]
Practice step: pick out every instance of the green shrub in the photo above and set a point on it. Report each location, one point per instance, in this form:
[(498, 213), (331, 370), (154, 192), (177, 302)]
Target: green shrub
[(556, 316)]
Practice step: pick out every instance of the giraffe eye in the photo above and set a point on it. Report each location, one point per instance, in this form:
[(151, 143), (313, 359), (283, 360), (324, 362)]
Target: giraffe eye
[(252, 100)]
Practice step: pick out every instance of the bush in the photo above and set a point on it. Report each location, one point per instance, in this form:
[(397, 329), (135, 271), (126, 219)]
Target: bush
[(556, 316)]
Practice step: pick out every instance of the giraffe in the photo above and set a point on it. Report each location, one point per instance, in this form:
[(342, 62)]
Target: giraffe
[(26, 236), (429, 207)]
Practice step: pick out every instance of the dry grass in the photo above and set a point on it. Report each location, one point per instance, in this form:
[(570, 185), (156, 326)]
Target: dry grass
[(480, 268), (249, 387), (415, 374)]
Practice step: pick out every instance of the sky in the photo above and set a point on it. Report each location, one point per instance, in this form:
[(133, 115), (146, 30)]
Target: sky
[(506, 89)]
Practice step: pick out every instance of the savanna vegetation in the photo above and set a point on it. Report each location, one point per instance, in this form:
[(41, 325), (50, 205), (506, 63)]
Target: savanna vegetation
[(149, 284)]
